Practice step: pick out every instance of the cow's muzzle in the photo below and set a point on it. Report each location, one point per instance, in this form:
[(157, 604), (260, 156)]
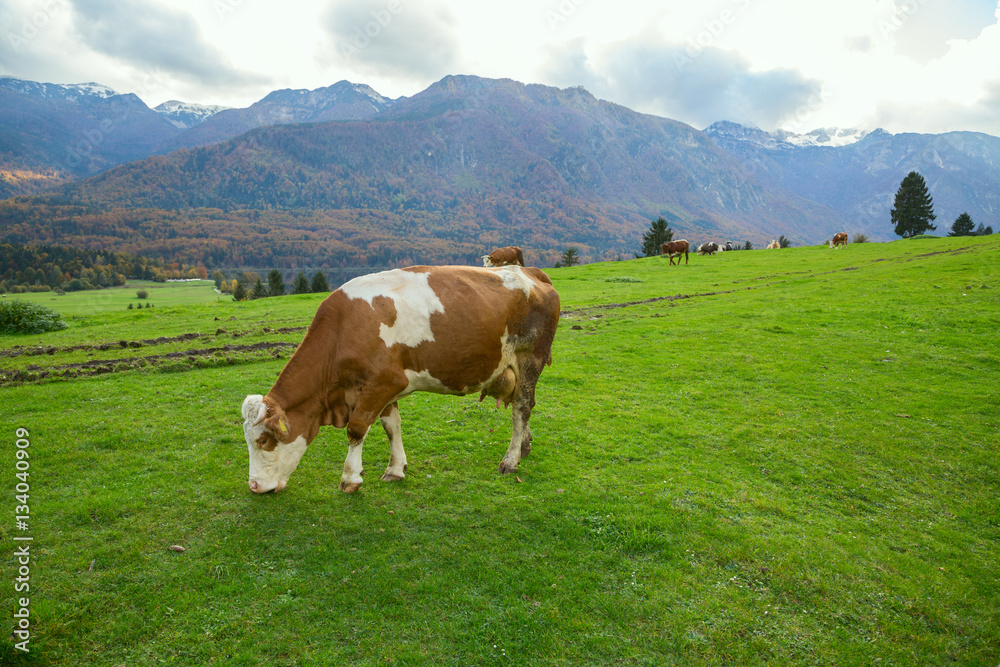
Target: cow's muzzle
[(257, 488)]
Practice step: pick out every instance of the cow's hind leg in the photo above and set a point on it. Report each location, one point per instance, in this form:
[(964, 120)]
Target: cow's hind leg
[(397, 457), (524, 401)]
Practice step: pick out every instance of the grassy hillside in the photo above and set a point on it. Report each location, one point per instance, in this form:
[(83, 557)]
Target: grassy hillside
[(773, 457)]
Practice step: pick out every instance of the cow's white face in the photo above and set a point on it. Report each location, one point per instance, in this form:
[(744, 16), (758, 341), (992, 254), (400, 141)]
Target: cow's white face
[(272, 462)]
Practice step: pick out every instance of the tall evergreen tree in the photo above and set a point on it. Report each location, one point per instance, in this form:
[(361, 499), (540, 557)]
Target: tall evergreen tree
[(963, 226), (301, 284), (258, 291), (913, 210), (275, 283), (319, 283), (569, 257), (658, 234)]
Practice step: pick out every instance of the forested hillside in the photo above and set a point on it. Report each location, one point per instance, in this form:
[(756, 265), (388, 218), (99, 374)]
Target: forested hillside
[(46, 267), (446, 175)]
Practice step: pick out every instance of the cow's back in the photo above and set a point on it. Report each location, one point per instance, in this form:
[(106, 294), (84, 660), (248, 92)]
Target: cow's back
[(454, 323)]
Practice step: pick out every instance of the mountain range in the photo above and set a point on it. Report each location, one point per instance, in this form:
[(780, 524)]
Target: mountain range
[(465, 164)]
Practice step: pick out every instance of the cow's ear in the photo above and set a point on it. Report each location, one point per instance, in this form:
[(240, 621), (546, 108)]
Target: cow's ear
[(277, 424)]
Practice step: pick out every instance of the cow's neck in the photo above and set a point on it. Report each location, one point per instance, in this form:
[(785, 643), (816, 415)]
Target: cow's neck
[(295, 388)]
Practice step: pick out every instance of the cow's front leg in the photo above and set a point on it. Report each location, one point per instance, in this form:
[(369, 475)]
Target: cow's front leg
[(372, 403), (350, 480), (397, 457)]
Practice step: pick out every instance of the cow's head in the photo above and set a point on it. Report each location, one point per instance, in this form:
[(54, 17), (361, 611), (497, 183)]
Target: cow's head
[(274, 452)]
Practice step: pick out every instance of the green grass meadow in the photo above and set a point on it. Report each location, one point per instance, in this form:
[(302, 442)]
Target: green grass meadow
[(89, 302), (781, 457)]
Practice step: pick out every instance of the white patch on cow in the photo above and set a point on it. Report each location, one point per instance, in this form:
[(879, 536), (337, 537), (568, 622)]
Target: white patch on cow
[(424, 381), (270, 470), (487, 262), (515, 279), (412, 297)]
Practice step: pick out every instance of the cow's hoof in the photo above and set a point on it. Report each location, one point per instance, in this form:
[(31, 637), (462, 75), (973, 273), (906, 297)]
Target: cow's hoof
[(349, 487), (391, 477), (506, 468)]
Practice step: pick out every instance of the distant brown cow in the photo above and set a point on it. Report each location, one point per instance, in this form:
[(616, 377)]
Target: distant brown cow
[(840, 238), (675, 249), (504, 256)]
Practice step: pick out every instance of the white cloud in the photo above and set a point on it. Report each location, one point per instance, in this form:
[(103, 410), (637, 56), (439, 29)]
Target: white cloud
[(391, 38), (686, 82), (905, 64)]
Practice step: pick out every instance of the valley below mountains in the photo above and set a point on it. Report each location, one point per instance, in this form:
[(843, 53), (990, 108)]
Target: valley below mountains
[(344, 178)]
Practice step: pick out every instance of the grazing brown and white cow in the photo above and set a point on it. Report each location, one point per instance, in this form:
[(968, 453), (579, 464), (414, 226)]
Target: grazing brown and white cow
[(675, 249), (380, 337), (504, 256), (709, 248), (840, 238)]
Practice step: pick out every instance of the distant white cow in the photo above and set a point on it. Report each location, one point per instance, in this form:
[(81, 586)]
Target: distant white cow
[(773, 245)]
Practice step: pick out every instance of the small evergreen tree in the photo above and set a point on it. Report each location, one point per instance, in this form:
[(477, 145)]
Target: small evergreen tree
[(983, 231), (318, 283), (275, 283), (963, 226), (239, 291), (658, 234), (258, 291), (913, 209), (748, 246), (783, 241), (301, 284), (569, 257)]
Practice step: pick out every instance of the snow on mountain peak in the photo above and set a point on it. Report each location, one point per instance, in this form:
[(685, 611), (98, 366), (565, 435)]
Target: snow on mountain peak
[(824, 136), (833, 137), (186, 114), (50, 90)]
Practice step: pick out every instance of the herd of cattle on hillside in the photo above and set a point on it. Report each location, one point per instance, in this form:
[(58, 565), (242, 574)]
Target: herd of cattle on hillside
[(383, 336)]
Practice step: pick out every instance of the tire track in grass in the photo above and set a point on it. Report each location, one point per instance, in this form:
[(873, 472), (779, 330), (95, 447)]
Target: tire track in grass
[(105, 366)]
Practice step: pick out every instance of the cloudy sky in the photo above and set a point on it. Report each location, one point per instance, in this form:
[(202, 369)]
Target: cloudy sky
[(904, 65)]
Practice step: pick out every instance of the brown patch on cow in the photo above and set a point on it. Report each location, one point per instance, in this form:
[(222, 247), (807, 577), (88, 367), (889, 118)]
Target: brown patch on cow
[(267, 442), (386, 310)]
